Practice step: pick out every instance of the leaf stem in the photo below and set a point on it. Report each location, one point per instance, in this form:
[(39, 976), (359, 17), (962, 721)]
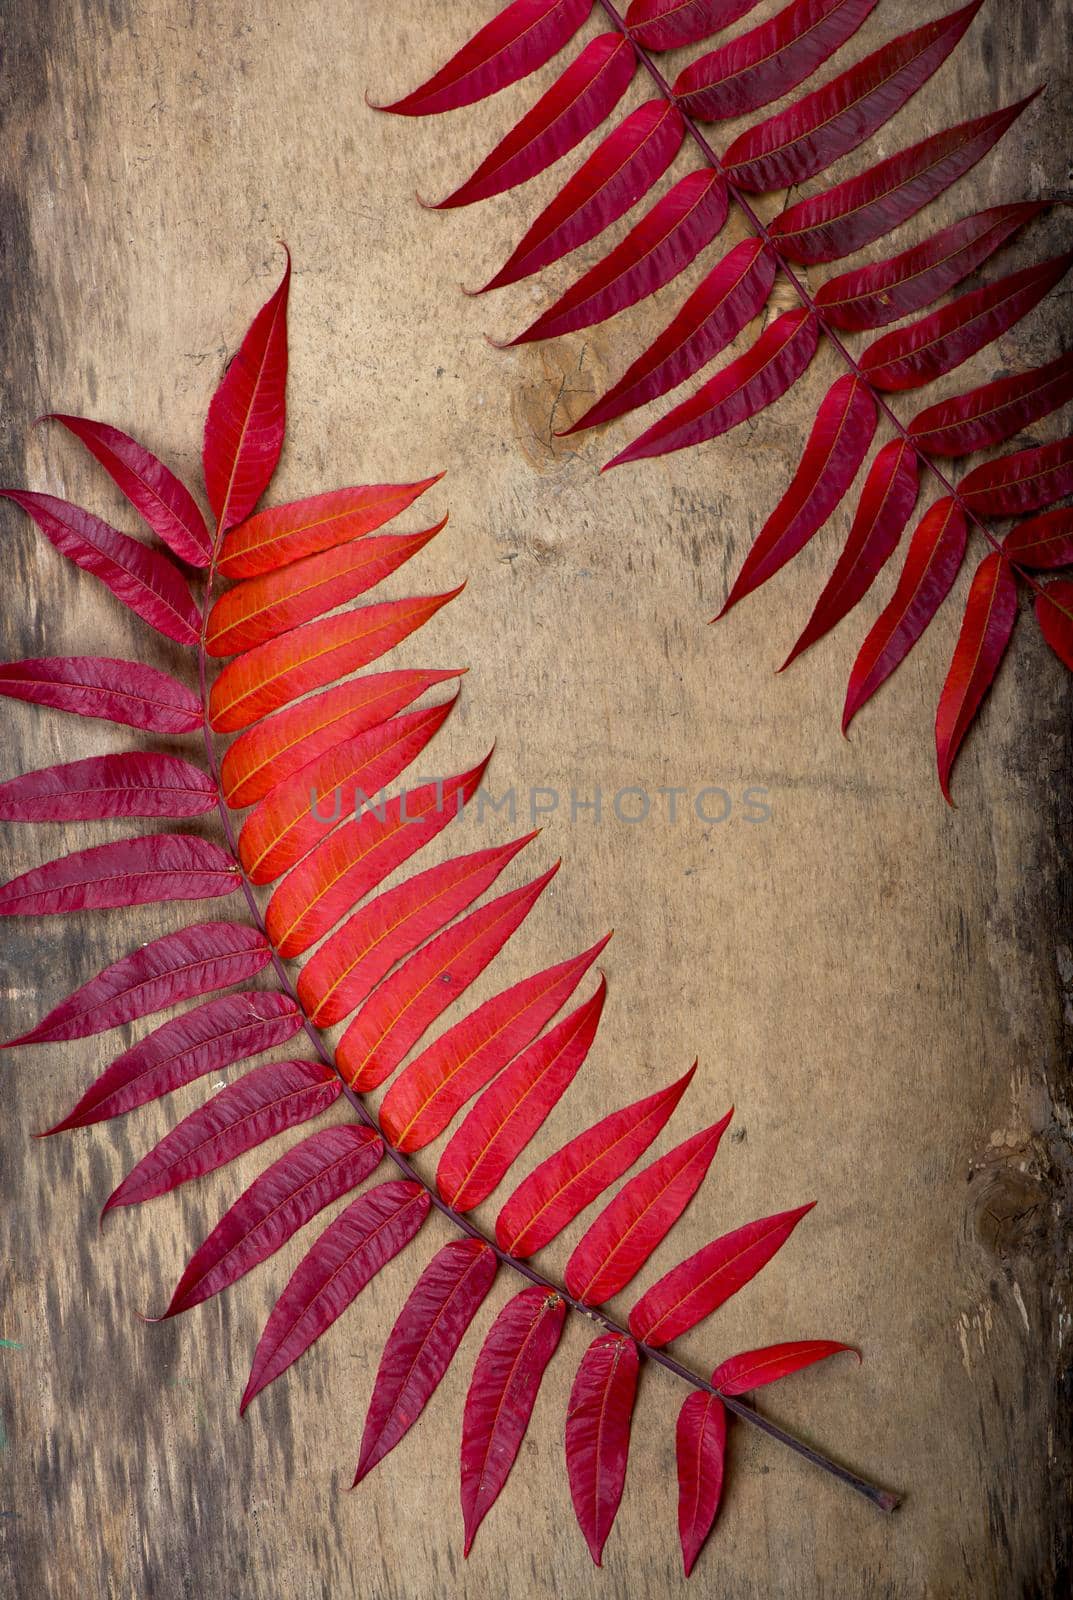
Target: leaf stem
[(883, 1498), (761, 230)]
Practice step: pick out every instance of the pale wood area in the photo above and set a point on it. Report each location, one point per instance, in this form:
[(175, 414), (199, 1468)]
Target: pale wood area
[(872, 978)]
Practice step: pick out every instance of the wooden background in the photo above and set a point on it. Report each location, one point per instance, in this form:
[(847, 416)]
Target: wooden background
[(874, 979)]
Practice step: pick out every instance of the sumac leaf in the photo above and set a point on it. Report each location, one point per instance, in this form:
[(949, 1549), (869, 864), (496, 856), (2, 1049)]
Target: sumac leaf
[(816, 131), (350, 862), (129, 872), (136, 783), (936, 344), (990, 613), (126, 692), (518, 41), (699, 1285), (303, 808), (279, 671), (616, 1246), (351, 961), (562, 1186), (278, 1095), (838, 443), (146, 582), (196, 960), (429, 1092), (422, 1344), (1054, 613), (870, 297), (277, 1203), (247, 415), (161, 500), (262, 757), (715, 313), (1022, 481), (656, 249), (259, 609), (700, 1447), (280, 535), (349, 1253), (748, 385), (761, 66), (666, 24), (754, 1368), (993, 412), (841, 220), (931, 565), (1042, 542), (598, 1418), (578, 101), (513, 1107), (501, 1397), (206, 1039), (886, 504), (410, 999), (621, 170)]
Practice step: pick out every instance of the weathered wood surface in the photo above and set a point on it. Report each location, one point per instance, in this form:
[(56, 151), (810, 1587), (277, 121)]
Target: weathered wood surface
[(874, 979)]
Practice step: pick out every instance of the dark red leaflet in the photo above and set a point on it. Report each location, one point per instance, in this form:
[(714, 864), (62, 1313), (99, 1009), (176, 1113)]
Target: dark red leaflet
[(247, 415), (162, 501), (98, 686), (515, 43), (351, 961), (421, 1345), (758, 67), (146, 582), (755, 1368), (932, 564), (854, 213), (840, 439), (565, 1183), (432, 1089), (748, 385), (666, 24), (616, 1246), (260, 1105), (886, 504), (205, 1039), (702, 1283), (129, 872), (1020, 482), (700, 1447), (715, 313), (620, 171), (870, 297), (656, 249), (993, 412), (577, 102), (349, 1253), (816, 131), (358, 856), (502, 1393), (514, 1105), (990, 613), (1054, 613), (281, 1200), (926, 349), (194, 961), (598, 1418), (1042, 542), (409, 1000), (136, 783)]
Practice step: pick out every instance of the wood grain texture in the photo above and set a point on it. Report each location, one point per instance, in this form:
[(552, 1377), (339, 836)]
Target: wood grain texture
[(876, 981)]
